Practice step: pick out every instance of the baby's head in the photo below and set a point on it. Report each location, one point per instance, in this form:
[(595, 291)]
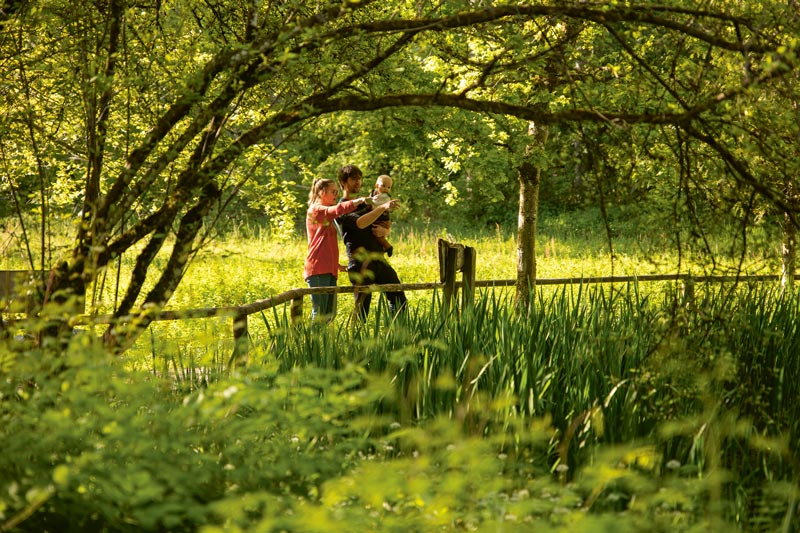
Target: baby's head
[(383, 185)]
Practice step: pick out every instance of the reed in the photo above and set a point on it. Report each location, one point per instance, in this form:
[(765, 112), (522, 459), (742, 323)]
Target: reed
[(709, 385), (605, 405)]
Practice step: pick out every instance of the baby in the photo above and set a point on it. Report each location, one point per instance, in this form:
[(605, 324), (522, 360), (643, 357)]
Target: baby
[(380, 195)]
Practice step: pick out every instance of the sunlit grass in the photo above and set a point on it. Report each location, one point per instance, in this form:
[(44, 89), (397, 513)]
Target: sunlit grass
[(247, 265), (606, 405)]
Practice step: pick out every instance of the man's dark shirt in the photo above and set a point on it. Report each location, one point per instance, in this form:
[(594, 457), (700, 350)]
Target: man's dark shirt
[(355, 238)]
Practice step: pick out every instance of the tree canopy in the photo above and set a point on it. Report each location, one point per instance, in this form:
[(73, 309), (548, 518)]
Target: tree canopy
[(146, 119)]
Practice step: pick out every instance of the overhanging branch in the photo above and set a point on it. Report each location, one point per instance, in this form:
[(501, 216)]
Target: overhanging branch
[(657, 16), (356, 103)]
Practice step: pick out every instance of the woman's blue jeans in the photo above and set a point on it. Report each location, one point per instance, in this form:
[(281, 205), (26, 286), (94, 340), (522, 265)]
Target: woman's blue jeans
[(323, 306)]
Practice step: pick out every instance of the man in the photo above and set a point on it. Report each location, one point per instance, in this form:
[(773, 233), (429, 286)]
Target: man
[(366, 264)]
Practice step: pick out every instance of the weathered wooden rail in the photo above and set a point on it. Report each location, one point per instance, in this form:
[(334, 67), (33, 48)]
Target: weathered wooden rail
[(240, 313), (453, 258)]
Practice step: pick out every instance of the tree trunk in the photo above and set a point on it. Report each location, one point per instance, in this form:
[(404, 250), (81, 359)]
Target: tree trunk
[(789, 253), (119, 338), (99, 93), (529, 175), (789, 244)]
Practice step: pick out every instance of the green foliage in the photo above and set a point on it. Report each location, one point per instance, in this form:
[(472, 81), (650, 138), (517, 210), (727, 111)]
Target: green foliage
[(172, 457), (144, 119), (647, 411), (278, 191), (610, 408)]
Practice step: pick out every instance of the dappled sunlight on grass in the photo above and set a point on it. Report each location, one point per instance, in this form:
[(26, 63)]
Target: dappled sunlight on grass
[(606, 407), (245, 267)]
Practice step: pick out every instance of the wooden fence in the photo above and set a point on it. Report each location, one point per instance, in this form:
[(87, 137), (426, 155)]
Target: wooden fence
[(453, 258)]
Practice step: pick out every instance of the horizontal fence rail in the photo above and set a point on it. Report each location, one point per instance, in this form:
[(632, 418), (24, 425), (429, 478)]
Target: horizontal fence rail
[(452, 259), (295, 294), (628, 279), (267, 303)]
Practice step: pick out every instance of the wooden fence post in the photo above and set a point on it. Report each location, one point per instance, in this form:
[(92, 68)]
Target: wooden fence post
[(468, 278), (442, 246), (687, 290), (240, 340), (452, 259), (296, 310), (450, 269)]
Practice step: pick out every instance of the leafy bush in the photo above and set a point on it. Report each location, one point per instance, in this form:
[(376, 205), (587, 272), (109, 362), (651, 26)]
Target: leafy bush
[(602, 409)]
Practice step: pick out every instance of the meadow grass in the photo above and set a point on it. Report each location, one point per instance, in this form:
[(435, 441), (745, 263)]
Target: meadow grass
[(248, 263), (627, 407)]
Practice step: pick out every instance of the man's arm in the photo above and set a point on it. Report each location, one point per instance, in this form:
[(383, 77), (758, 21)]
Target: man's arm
[(380, 231), (368, 218)]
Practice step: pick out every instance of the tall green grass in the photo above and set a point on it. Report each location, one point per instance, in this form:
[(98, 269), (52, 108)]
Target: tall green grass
[(600, 407), (625, 407), (707, 387)]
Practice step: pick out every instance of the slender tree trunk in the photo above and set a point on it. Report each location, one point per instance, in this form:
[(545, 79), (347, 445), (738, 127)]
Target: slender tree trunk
[(119, 339), (529, 176), (98, 99), (526, 235), (789, 244), (68, 279), (789, 253)]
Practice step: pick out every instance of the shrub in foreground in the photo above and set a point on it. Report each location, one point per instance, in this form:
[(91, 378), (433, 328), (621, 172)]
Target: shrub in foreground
[(599, 410)]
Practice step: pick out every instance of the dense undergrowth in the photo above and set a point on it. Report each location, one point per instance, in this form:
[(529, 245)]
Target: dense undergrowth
[(603, 408)]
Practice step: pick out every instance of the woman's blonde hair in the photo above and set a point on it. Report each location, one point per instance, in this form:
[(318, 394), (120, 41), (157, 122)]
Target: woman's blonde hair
[(317, 187)]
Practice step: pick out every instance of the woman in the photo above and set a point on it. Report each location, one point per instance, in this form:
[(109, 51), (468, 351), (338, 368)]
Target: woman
[(322, 261)]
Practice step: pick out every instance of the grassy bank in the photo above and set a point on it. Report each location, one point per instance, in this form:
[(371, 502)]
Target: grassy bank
[(248, 263), (599, 410)]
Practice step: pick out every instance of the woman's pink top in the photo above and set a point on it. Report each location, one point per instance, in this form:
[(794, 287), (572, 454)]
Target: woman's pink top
[(323, 240)]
